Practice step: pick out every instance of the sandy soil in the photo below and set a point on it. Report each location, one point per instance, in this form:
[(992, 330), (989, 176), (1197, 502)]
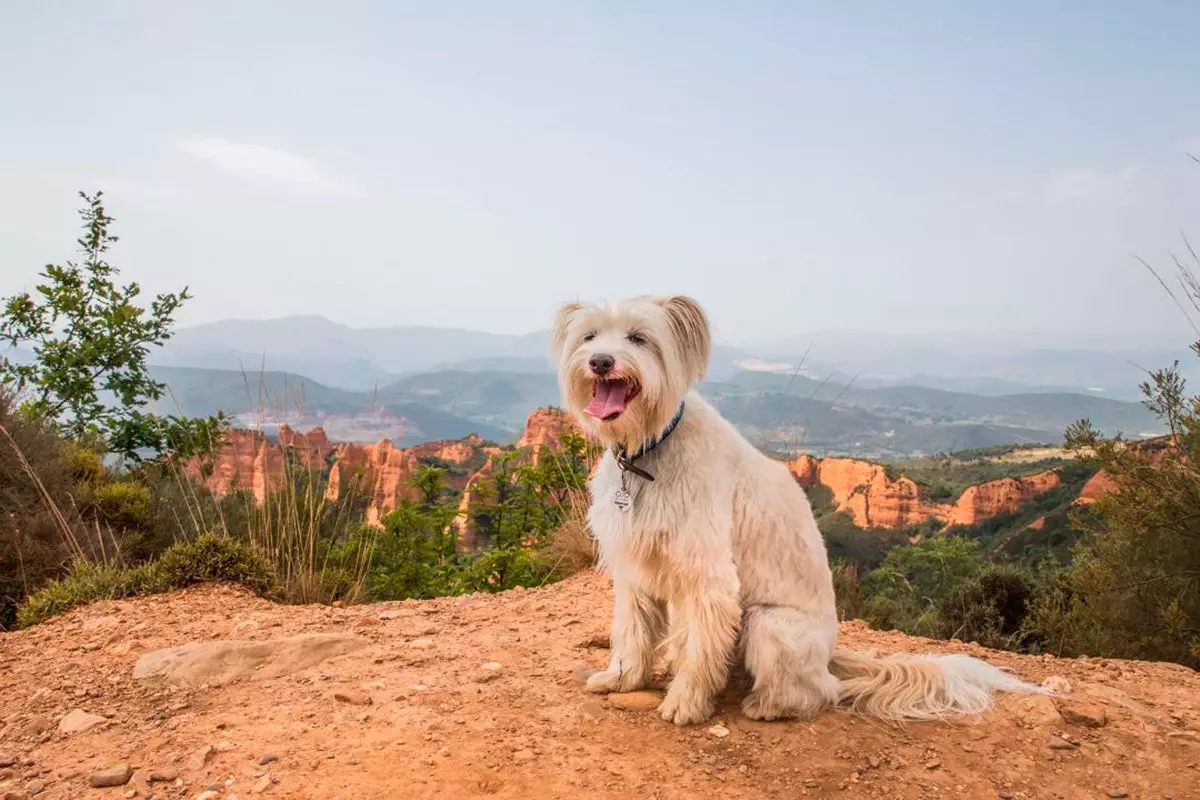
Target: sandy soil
[(481, 696)]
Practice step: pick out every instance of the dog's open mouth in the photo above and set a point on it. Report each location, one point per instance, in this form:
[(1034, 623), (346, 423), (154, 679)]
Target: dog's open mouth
[(610, 397)]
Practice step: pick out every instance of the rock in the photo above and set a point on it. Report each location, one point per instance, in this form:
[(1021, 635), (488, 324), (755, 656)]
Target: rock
[(7, 759), (200, 758), (635, 701), (1038, 711), (1059, 743), (113, 776), (267, 759), (421, 644), (1083, 712), (217, 663), (37, 787), (523, 756), (79, 721), (353, 697), (1057, 684), (165, 775), (1116, 794), (262, 785), (208, 794), (719, 731), (932, 763)]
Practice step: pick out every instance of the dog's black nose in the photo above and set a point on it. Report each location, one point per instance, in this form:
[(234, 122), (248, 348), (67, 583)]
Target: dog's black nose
[(601, 364)]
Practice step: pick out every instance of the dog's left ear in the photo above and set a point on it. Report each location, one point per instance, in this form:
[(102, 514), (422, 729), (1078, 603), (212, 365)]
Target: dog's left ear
[(689, 326), (558, 332)]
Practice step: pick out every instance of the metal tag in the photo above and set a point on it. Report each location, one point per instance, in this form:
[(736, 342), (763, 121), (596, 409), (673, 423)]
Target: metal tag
[(622, 499)]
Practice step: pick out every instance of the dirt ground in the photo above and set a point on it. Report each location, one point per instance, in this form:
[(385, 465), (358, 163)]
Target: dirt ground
[(482, 696)]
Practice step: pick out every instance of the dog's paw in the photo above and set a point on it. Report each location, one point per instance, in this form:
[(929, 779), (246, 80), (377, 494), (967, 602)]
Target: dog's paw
[(757, 706), (615, 681), (685, 706)]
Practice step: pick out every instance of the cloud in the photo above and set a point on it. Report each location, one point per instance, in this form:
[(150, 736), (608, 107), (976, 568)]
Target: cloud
[(269, 163), (1087, 184)]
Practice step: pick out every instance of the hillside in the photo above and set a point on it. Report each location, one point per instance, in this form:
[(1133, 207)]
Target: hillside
[(776, 411), (481, 696)]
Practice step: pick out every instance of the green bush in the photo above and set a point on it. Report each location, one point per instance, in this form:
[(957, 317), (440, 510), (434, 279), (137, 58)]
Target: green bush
[(207, 559), (123, 503), (212, 558), (989, 609)]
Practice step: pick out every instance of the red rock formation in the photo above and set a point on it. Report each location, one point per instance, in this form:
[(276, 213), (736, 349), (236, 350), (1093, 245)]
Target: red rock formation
[(873, 499), (545, 428)]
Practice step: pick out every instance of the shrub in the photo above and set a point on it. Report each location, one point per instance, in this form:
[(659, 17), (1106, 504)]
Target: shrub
[(989, 609), (217, 558), (209, 558), (123, 503)]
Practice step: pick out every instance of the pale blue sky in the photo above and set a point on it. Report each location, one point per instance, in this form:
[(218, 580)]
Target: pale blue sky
[(900, 167)]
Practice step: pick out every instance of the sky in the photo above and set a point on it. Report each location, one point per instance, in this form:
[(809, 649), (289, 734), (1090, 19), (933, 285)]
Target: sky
[(904, 168)]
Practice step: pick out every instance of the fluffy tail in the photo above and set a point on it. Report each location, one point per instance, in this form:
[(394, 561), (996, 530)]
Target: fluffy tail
[(921, 687)]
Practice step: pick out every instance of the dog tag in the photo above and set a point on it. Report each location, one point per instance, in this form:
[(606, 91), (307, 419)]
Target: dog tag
[(622, 499)]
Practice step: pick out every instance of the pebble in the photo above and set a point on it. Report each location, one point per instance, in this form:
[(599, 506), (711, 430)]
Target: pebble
[(7, 759), (1081, 712), (166, 775), (267, 759), (1057, 684), (1116, 794), (208, 794), (353, 697), (1004, 794), (719, 731), (37, 787), (812, 783), (200, 758), (421, 644), (1059, 743), (79, 721), (118, 775), (262, 785), (932, 763), (635, 701)]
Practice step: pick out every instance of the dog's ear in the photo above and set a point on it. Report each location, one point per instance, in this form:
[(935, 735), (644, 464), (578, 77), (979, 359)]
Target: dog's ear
[(558, 333), (689, 326)]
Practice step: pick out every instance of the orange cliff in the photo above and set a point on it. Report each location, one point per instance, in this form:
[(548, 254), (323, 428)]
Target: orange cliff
[(381, 472), (873, 499)]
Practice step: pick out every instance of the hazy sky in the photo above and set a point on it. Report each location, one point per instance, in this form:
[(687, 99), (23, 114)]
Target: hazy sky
[(901, 167)]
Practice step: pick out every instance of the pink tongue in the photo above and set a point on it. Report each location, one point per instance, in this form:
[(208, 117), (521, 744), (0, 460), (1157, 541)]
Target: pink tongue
[(609, 399)]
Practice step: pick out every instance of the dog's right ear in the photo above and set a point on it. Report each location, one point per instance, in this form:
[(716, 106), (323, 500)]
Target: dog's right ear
[(562, 324)]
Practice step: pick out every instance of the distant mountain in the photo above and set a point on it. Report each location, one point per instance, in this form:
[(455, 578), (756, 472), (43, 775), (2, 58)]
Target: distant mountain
[(267, 399)]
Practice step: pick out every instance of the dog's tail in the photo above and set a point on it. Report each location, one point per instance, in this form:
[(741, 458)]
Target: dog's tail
[(921, 687)]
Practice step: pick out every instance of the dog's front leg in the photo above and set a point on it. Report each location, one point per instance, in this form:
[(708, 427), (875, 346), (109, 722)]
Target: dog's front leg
[(638, 624), (709, 620)]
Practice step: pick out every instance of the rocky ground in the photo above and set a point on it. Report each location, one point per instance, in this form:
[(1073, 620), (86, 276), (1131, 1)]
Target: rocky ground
[(481, 696)]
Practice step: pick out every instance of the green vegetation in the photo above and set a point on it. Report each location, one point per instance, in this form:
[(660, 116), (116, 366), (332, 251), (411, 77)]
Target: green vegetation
[(90, 337), (943, 478)]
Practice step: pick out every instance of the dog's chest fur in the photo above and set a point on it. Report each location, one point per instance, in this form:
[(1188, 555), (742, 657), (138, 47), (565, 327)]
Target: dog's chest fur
[(641, 544)]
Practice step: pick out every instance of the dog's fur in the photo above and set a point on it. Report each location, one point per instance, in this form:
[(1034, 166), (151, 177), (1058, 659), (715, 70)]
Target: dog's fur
[(721, 549)]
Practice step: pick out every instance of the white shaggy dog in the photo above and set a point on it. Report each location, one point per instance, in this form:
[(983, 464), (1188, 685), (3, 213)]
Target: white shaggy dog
[(693, 520)]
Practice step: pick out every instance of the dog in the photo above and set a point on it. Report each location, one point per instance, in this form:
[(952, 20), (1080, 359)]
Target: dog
[(712, 547)]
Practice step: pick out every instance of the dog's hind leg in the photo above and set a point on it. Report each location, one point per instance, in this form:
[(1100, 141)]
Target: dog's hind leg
[(787, 652), (639, 622)]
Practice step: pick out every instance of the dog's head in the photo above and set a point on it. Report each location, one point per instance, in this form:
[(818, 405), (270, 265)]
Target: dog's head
[(625, 367)]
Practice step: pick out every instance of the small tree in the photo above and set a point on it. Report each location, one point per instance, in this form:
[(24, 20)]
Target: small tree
[(89, 337)]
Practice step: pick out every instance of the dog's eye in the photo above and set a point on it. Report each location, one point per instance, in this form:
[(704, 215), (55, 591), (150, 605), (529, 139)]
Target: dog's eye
[(636, 338), (587, 337)]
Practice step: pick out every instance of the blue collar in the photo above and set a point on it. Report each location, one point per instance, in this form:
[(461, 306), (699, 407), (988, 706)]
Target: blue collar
[(625, 461)]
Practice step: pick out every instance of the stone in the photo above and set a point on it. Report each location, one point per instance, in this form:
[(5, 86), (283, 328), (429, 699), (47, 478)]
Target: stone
[(200, 758), (932, 764), (163, 775), (1117, 794), (208, 794), (719, 731), (267, 759), (1038, 711), (7, 759), (118, 775), (635, 701), (217, 663), (1082, 712), (79, 721), (261, 785), (35, 788), (421, 644), (353, 697), (1057, 684)]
